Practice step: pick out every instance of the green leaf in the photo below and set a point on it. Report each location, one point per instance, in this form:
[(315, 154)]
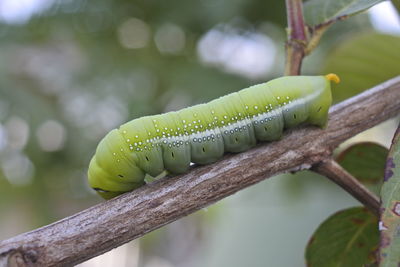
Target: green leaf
[(325, 11), (390, 207), (347, 238), (366, 162), (362, 62)]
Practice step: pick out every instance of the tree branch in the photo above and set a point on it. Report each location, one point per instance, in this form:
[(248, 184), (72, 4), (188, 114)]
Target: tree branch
[(297, 38), (340, 176), (129, 216)]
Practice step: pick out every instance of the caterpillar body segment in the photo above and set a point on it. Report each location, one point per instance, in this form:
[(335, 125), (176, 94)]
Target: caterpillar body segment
[(203, 133)]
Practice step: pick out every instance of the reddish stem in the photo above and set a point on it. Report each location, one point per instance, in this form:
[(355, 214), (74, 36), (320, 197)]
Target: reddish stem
[(294, 10), (297, 39)]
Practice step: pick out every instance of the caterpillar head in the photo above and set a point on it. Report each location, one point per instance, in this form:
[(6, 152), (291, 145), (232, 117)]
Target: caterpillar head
[(112, 170)]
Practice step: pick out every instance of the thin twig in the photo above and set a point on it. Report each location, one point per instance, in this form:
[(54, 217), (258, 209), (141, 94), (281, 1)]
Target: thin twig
[(340, 176), (297, 38), (117, 221)]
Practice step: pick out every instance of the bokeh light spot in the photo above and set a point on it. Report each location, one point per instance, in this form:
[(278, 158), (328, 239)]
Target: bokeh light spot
[(170, 39), (133, 33), (51, 136), (17, 132), (18, 169)]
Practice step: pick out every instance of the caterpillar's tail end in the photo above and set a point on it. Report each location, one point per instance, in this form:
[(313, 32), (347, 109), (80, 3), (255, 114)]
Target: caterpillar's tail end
[(333, 77)]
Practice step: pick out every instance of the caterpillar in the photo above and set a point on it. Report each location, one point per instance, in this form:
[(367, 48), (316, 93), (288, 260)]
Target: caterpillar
[(202, 133)]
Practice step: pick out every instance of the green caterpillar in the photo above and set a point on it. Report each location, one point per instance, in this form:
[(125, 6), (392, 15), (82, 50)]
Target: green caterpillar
[(203, 133)]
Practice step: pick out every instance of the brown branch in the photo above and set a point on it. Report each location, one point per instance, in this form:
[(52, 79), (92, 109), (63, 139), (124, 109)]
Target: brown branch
[(297, 38), (340, 176), (115, 222)]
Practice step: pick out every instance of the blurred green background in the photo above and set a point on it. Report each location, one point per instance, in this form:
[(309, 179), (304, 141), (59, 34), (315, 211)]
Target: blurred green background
[(72, 70)]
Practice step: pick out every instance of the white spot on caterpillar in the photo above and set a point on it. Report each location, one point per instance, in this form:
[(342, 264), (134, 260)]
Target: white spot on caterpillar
[(124, 132), (128, 140), (122, 149), (278, 97), (255, 107), (114, 153), (136, 136), (247, 107)]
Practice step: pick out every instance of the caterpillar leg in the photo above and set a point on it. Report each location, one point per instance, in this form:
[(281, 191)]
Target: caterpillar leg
[(149, 179)]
